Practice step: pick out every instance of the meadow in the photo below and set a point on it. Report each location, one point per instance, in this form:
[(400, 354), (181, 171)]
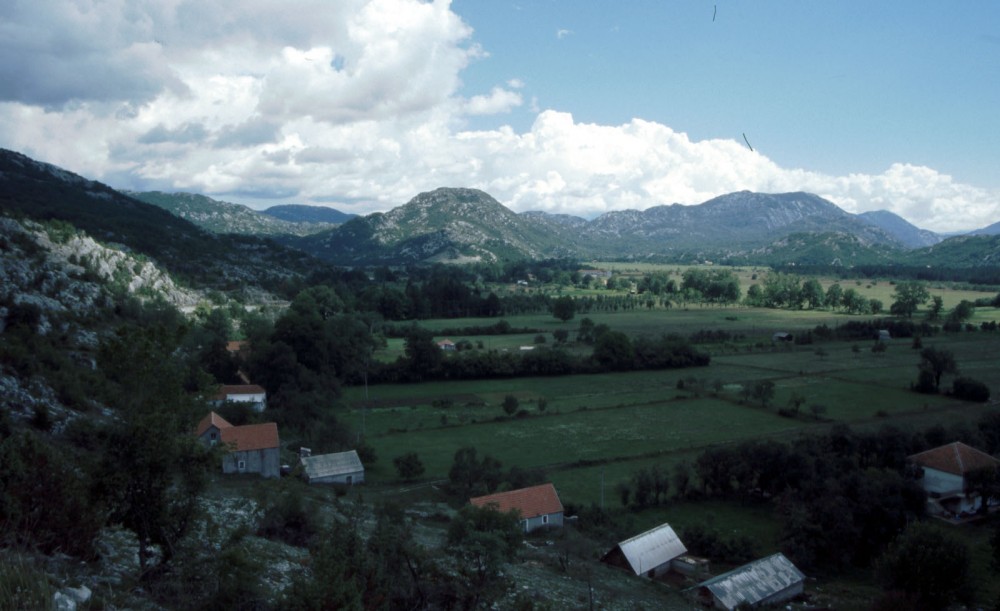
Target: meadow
[(587, 433), (614, 423)]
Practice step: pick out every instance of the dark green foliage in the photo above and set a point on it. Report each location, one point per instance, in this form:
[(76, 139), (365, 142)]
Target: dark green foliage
[(938, 361), (43, 499), (927, 563), (709, 543), (480, 540), (968, 389), (422, 354), (564, 308), (470, 476), (510, 404), (366, 453), (613, 351), (152, 470), (908, 296), (337, 576), (408, 466), (287, 516)]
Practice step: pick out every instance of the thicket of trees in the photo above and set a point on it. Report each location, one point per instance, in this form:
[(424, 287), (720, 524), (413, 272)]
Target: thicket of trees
[(845, 499)]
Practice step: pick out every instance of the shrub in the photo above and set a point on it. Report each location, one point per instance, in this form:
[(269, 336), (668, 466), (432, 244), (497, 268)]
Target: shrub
[(968, 389), (287, 517), (408, 466)]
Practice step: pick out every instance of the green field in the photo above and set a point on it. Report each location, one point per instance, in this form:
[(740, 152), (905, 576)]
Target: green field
[(618, 422), (598, 430)]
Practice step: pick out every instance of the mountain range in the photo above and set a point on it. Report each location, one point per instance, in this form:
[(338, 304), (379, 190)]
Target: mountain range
[(202, 236)]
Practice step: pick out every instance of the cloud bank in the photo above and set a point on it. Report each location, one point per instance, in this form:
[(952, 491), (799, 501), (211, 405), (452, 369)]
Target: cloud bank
[(360, 104)]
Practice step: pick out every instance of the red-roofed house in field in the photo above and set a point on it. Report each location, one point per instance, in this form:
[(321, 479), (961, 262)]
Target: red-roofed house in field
[(946, 476), (538, 506), (253, 395), (252, 448)]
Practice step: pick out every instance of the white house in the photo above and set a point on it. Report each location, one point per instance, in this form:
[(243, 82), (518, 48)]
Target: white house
[(649, 554), (538, 506), (766, 581), (337, 468), (944, 471), (253, 395)]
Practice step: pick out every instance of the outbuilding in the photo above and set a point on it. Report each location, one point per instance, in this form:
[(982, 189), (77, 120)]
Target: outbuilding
[(766, 581), (649, 554), (336, 468)]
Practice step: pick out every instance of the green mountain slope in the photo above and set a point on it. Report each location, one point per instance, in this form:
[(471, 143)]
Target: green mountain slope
[(460, 225), (224, 217)]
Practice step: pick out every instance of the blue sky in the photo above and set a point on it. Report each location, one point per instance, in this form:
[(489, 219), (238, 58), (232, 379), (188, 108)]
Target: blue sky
[(837, 87), (577, 107)]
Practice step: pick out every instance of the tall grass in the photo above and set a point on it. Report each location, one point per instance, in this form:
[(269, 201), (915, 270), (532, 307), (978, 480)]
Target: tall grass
[(22, 586)]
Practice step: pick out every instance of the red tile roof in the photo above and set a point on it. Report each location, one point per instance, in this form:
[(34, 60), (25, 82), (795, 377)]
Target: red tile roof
[(251, 437), (530, 502), (955, 458), (212, 419)]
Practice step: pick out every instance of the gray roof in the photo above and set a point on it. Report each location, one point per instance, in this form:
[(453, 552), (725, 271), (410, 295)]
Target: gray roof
[(652, 548), (327, 465), (754, 582)]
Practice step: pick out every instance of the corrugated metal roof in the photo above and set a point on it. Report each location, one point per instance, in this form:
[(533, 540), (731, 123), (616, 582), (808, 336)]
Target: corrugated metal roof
[(752, 583), (327, 465), (652, 548)]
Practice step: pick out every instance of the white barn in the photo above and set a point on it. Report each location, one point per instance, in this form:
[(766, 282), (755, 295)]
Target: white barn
[(766, 581), (649, 554), (337, 468)]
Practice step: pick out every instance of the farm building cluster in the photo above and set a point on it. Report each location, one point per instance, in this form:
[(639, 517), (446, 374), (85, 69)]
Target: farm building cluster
[(659, 553)]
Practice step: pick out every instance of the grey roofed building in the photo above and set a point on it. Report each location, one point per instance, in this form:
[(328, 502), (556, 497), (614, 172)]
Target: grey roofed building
[(649, 553), (766, 581), (337, 468)]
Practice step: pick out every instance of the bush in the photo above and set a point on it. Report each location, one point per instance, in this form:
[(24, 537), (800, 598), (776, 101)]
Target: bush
[(408, 466), (968, 389), (287, 517)]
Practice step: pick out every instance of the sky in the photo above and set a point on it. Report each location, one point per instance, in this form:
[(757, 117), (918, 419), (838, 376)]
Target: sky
[(568, 106)]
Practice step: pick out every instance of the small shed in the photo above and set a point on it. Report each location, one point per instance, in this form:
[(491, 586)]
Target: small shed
[(766, 581), (883, 335), (649, 554), (782, 336), (538, 506), (944, 476), (336, 468), (447, 345)]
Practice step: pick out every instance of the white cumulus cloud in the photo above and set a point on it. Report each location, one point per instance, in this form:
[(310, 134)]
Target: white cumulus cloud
[(359, 104)]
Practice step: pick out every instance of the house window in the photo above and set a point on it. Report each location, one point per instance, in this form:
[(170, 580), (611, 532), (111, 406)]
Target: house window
[(350, 480), (241, 465), (545, 519)]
